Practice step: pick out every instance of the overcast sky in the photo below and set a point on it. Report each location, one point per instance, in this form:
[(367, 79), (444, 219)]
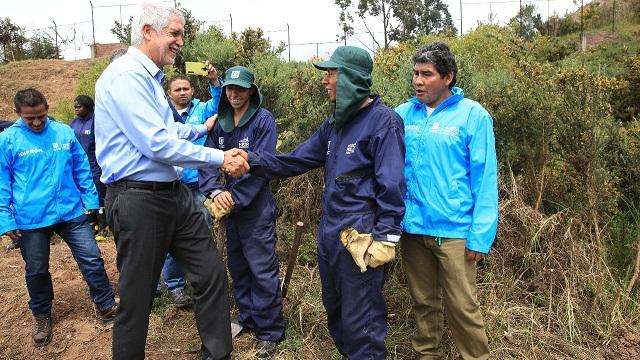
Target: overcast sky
[(313, 24)]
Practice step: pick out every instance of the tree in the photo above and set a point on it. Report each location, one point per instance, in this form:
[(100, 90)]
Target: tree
[(382, 9), (252, 42), (401, 19), (527, 23), (12, 40), (122, 31), (41, 46), (421, 17)]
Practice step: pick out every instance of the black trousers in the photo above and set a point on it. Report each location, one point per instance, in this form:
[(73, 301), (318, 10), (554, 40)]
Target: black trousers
[(146, 225)]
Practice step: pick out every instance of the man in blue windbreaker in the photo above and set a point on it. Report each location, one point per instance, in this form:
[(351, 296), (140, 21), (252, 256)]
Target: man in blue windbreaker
[(83, 127), (251, 225), (452, 204), (195, 112), (3, 125), (45, 187), (361, 148)]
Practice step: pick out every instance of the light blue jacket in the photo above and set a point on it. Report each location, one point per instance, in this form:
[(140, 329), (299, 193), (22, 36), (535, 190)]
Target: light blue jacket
[(44, 177), (451, 171), (197, 113)]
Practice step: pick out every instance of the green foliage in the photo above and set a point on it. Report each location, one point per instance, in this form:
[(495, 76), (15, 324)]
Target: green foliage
[(421, 17), (251, 43), (122, 31), (526, 22), (87, 81), (12, 39), (63, 111), (41, 46)]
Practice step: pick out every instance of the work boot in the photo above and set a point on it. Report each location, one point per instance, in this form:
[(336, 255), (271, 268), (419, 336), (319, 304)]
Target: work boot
[(265, 349), (179, 298), (41, 334), (107, 315)]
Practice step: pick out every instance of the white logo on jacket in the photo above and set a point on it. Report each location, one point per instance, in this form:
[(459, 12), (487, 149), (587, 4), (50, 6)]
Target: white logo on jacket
[(220, 142), (244, 143), (87, 132), (328, 147), (30, 152), (451, 131), (56, 147), (351, 148)]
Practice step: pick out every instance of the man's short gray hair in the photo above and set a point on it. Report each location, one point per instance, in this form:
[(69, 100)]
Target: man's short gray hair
[(157, 16)]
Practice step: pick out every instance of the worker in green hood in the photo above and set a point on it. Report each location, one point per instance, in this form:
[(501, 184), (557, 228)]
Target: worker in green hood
[(237, 105), (349, 81), (361, 147)]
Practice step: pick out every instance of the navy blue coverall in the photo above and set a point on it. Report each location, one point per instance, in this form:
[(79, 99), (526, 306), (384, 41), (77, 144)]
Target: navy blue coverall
[(251, 227), (364, 188)]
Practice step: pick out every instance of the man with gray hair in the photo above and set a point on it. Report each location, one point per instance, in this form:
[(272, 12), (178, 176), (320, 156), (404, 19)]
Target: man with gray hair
[(142, 151)]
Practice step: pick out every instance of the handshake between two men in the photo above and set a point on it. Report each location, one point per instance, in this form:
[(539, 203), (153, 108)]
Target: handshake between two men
[(236, 162)]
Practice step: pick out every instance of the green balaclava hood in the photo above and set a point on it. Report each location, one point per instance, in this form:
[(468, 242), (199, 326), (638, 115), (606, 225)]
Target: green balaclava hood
[(354, 67), (242, 77)]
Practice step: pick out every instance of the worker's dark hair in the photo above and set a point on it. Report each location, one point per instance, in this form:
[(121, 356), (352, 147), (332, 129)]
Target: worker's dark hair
[(177, 77), (441, 57), (85, 101), (29, 97)]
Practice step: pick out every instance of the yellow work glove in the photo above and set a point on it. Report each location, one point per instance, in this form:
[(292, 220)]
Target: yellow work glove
[(380, 253), (216, 211), (357, 244)]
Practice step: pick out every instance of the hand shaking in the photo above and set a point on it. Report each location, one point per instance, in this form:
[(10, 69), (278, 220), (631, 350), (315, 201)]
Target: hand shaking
[(235, 162)]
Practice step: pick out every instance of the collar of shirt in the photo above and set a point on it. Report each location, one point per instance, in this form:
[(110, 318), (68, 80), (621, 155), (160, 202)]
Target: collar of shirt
[(149, 65)]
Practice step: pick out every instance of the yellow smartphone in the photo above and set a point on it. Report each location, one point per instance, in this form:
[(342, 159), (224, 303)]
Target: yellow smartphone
[(195, 68)]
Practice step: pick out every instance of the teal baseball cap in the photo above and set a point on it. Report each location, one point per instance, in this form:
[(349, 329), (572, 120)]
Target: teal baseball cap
[(239, 76)]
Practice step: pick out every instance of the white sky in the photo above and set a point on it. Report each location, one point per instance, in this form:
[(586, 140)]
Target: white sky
[(310, 21)]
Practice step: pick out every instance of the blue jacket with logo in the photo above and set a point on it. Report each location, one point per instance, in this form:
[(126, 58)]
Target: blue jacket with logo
[(363, 172), (83, 128), (195, 114), (259, 134), (451, 171), (44, 177)]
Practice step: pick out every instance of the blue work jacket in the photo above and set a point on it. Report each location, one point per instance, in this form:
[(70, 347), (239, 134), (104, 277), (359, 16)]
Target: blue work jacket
[(363, 169), (451, 171), (44, 177), (83, 128), (258, 134), (196, 114)]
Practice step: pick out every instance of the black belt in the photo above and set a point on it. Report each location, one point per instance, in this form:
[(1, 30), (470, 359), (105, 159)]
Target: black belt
[(148, 185), (193, 185)]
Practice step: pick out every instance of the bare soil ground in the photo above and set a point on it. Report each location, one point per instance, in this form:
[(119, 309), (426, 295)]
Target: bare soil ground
[(56, 79)]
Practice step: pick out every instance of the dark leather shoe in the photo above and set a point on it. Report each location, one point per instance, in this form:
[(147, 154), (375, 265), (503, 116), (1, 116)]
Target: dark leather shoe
[(107, 315), (42, 333), (180, 299), (265, 349)]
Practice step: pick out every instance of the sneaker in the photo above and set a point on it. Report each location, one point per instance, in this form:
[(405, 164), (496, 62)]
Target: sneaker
[(180, 299), (41, 334), (107, 315), (265, 349)]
